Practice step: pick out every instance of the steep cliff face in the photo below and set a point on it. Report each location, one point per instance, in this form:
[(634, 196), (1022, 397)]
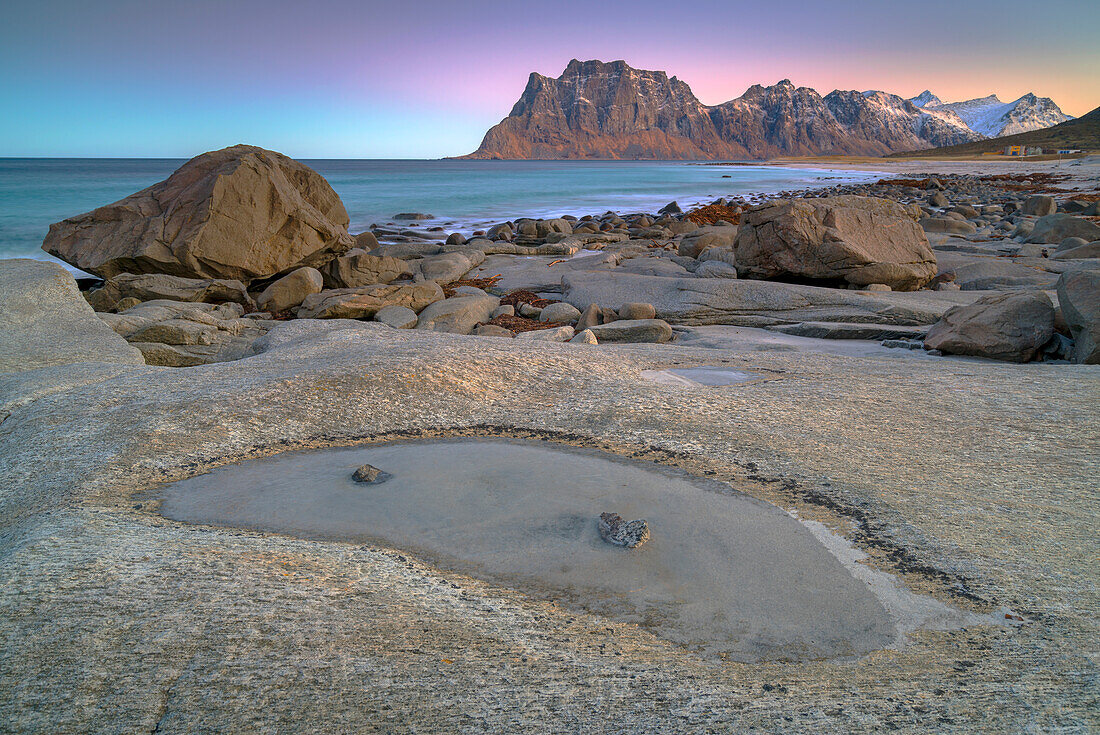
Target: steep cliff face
[(611, 110), (598, 110)]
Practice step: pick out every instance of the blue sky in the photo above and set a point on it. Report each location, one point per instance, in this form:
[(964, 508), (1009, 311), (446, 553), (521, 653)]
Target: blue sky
[(340, 78)]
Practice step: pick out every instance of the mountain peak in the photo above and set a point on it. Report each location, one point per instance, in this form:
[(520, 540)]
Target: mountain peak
[(598, 109), (926, 99)]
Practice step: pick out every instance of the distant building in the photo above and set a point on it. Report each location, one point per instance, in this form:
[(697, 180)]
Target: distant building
[(1067, 151), (1023, 150)]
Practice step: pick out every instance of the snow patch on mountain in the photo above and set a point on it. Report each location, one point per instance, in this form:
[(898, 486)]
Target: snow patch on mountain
[(993, 118)]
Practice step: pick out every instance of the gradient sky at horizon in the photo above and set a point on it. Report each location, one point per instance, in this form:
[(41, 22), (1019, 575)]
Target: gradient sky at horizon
[(427, 78)]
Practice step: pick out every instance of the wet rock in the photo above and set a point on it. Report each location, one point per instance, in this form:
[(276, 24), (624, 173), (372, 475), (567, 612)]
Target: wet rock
[(670, 208), (405, 216), (630, 534), (241, 213), (370, 475), (1003, 326), (545, 227), (456, 239)]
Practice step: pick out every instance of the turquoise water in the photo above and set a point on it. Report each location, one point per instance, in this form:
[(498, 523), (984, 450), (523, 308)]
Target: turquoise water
[(463, 195)]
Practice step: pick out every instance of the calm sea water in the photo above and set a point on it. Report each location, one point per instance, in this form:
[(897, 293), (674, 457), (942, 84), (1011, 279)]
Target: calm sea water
[(463, 195)]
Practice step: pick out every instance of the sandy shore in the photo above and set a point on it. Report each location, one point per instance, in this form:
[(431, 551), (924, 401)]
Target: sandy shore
[(1082, 173)]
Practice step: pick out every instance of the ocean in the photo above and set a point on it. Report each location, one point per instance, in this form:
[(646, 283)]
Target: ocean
[(463, 195)]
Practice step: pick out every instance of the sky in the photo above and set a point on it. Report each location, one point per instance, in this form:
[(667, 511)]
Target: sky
[(427, 78)]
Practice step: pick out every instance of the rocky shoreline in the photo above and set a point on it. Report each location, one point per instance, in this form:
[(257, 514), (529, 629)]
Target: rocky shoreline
[(568, 279), (972, 480)]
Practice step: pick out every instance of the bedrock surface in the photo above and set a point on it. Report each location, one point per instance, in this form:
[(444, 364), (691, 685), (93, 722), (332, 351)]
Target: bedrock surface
[(975, 482)]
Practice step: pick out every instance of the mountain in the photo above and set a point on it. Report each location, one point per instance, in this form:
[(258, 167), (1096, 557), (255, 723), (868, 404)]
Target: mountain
[(598, 110), (611, 110), (1082, 133), (926, 98), (993, 118)]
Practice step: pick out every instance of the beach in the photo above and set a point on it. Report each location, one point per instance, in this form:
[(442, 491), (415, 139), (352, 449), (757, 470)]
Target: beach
[(899, 506)]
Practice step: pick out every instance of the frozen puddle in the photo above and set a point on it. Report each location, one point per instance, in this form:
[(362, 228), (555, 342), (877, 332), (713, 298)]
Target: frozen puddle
[(708, 376), (722, 573)]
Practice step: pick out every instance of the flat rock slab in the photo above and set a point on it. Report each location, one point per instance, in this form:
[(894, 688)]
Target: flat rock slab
[(706, 376), (748, 303), (846, 330), (167, 625)]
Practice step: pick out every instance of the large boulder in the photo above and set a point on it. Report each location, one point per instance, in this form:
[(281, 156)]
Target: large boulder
[(241, 213), (861, 240), (1054, 228), (364, 302), (1002, 326), (357, 268), (154, 286), (1079, 297), (47, 322)]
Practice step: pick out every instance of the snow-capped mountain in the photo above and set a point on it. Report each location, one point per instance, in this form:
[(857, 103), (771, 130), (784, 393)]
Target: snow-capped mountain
[(993, 118), (926, 98), (612, 110)]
